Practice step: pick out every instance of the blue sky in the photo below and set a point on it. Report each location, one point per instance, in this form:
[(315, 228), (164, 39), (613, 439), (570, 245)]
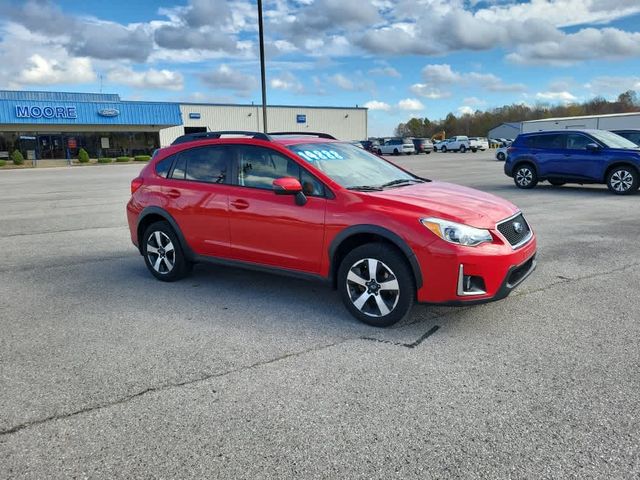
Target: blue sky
[(400, 58)]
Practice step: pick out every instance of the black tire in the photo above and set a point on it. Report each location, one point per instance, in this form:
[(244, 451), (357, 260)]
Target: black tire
[(462, 149), (160, 236), (501, 156), (395, 151), (525, 176), (443, 149), (379, 152), (364, 298), (428, 151), (474, 150), (623, 180), (557, 183)]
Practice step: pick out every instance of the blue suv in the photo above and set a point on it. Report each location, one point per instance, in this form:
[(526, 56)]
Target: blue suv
[(574, 156)]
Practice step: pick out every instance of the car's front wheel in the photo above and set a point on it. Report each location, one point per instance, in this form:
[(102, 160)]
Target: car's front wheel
[(443, 149), (163, 254), (623, 180), (376, 284), (501, 156), (525, 176)]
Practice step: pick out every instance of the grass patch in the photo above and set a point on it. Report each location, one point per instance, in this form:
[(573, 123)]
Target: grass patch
[(142, 158), (105, 160), (3, 163), (123, 159)]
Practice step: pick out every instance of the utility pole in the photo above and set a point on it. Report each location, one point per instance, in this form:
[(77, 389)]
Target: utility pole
[(262, 68)]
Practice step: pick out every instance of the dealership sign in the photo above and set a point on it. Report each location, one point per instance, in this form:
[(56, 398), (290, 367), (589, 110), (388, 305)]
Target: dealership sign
[(35, 111), (109, 112)]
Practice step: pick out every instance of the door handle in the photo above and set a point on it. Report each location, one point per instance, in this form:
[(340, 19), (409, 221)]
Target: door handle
[(173, 193), (240, 204)]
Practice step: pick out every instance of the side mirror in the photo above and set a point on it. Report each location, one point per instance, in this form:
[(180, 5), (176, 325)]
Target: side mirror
[(286, 186), (593, 147), (290, 186)]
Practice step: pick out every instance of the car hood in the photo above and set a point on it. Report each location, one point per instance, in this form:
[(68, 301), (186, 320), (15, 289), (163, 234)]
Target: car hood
[(452, 202)]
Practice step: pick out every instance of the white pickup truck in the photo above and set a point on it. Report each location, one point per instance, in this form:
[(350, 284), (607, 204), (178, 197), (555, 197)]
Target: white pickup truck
[(459, 143), (396, 146), (478, 143)]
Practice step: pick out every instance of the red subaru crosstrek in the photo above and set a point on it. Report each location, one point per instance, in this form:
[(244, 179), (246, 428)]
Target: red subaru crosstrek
[(314, 207)]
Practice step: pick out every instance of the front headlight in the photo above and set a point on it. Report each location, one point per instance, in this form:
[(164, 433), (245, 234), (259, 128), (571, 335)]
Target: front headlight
[(457, 233)]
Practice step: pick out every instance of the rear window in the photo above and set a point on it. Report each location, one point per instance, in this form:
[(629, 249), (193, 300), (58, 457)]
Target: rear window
[(548, 141)]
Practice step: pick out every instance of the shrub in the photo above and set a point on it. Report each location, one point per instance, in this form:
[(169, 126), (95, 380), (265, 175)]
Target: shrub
[(142, 158), (105, 160), (3, 163), (17, 157), (83, 156), (122, 159)]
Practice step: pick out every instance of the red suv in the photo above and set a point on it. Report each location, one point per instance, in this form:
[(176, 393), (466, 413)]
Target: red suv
[(314, 207)]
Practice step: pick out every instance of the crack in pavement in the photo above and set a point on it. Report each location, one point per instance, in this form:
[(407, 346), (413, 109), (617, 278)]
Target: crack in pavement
[(166, 386), (206, 377), (49, 232)]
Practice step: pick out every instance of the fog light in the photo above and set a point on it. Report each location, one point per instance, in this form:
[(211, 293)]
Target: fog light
[(470, 284)]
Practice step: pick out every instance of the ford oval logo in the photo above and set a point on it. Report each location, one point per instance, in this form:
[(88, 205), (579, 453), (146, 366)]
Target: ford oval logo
[(517, 227), (109, 112)]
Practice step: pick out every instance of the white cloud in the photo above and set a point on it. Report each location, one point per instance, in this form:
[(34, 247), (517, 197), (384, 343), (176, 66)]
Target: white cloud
[(465, 110), (227, 78), (339, 80), (606, 85), (385, 72), (564, 97), (152, 78), (410, 104), (428, 91), (41, 71), (377, 105), (286, 81)]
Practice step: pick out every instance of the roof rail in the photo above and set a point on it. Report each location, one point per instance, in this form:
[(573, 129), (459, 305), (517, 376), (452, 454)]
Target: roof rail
[(192, 137), (313, 134)]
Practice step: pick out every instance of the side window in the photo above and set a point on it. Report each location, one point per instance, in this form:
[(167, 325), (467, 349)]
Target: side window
[(203, 164), (576, 141), (550, 141), (163, 166), (179, 168), (258, 167)]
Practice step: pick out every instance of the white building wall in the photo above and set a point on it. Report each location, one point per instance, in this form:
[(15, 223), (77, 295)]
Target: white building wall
[(601, 122), (342, 123), (504, 131)]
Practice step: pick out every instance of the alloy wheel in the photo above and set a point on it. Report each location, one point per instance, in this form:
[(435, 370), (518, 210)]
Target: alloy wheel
[(161, 252), (621, 180), (373, 287), (524, 176)]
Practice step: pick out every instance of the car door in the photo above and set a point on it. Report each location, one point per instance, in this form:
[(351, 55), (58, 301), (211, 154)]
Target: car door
[(549, 153), (271, 229), (197, 189), (580, 163)]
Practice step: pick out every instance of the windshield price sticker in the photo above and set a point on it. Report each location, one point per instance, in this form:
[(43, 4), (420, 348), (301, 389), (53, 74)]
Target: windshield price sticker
[(313, 155)]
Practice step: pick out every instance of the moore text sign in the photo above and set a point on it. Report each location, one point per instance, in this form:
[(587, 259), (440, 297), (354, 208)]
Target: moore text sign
[(35, 111)]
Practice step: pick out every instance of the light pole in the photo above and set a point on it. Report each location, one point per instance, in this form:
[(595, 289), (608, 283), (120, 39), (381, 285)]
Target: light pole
[(262, 68)]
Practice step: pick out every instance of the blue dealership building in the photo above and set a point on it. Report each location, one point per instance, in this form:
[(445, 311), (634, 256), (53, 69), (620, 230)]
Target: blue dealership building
[(47, 125), (55, 125)]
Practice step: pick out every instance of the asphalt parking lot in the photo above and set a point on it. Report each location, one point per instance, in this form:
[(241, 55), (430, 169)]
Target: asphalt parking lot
[(108, 373)]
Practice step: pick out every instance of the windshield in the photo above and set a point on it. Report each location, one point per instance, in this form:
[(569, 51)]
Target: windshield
[(613, 140), (350, 166)]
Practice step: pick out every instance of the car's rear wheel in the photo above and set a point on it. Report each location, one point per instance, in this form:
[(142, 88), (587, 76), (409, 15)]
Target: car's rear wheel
[(163, 254), (463, 149), (395, 151), (623, 180), (376, 284), (525, 176), (501, 156)]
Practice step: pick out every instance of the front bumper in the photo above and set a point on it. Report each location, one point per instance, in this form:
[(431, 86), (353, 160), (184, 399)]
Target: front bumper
[(500, 267)]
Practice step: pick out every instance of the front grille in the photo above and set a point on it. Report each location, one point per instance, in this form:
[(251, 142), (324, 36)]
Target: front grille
[(515, 230)]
